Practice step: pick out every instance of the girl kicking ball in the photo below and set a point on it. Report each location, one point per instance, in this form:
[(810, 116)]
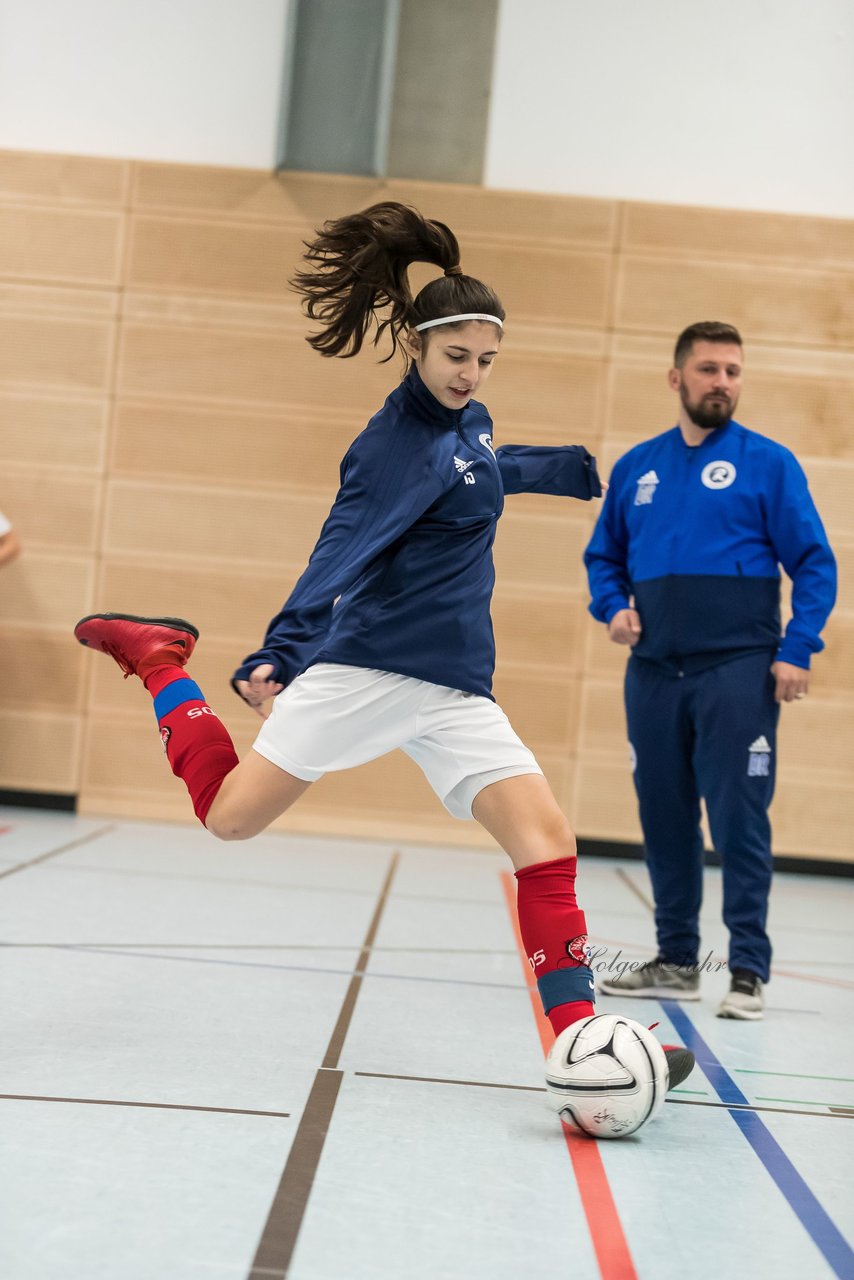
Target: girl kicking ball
[(386, 641)]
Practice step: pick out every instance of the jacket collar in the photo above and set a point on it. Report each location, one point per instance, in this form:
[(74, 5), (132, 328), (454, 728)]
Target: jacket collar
[(425, 404), (711, 438)]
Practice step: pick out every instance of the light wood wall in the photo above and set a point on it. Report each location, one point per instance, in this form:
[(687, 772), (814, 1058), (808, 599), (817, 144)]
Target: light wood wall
[(170, 443)]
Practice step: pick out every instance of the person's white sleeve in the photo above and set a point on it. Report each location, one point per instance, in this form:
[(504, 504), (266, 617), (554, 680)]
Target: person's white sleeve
[(5, 525)]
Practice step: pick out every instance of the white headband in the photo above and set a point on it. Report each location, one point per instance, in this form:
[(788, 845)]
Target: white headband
[(472, 315)]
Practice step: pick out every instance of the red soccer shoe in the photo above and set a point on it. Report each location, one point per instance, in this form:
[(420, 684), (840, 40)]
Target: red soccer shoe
[(134, 642)]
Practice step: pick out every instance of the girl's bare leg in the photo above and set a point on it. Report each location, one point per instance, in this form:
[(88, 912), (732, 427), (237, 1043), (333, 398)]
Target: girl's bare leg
[(252, 796), (522, 815), (526, 820)]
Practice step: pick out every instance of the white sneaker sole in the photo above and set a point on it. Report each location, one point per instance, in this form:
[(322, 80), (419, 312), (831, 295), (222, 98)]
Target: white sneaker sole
[(740, 1015)]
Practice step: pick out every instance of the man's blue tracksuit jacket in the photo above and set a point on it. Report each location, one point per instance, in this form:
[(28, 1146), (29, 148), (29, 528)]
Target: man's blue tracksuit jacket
[(693, 538)]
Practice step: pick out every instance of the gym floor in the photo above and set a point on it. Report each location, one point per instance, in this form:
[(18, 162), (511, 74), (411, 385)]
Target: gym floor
[(318, 1059)]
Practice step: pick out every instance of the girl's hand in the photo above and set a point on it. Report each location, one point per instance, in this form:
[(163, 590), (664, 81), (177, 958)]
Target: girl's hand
[(259, 688)]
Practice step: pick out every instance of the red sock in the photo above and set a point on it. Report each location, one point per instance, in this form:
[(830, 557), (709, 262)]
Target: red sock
[(196, 742), (554, 932)]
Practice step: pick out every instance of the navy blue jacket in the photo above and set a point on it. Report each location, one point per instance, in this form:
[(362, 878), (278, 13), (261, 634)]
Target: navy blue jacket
[(696, 537), (402, 575)]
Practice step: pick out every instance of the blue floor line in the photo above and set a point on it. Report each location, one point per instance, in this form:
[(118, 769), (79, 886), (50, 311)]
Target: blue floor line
[(813, 1217)]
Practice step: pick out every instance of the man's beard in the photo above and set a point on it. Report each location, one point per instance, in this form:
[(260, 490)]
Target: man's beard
[(710, 413)]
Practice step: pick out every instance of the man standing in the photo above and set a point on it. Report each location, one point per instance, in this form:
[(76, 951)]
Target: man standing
[(683, 568)]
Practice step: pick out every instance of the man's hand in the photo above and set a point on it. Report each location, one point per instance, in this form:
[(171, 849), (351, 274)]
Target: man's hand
[(10, 547), (792, 682), (259, 688), (625, 627)]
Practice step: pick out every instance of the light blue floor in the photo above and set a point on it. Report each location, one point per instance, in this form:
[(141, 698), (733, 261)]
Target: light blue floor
[(181, 1027)]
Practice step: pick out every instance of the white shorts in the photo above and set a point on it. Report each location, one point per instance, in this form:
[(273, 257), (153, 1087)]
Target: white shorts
[(335, 717)]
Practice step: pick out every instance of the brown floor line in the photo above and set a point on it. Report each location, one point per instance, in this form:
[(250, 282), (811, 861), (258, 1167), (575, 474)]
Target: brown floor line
[(54, 853), (278, 1239), (154, 1106)]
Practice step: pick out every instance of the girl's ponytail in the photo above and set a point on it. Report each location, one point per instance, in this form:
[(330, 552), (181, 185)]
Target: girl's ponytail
[(358, 268)]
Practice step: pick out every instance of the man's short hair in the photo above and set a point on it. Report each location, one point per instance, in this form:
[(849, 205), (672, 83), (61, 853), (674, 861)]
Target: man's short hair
[(704, 331)]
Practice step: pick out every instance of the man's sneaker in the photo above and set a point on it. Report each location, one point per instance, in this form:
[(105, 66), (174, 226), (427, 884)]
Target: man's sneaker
[(744, 999), (133, 641), (680, 1064), (656, 979)]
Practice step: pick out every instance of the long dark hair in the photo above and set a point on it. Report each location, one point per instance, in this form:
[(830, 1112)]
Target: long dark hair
[(358, 268)]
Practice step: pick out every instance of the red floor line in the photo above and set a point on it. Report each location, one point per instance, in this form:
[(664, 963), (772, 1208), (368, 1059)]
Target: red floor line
[(603, 1220)]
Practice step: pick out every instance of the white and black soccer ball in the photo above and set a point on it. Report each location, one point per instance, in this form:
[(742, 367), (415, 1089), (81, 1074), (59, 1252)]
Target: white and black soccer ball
[(606, 1076)]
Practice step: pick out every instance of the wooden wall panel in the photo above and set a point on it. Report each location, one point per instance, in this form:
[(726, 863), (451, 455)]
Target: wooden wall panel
[(603, 721), (41, 669), (50, 352), (40, 751), (310, 199), (832, 483), (37, 428), (288, 447), (639, 403), (46, 589), (229, 604), (537, 631), (185, 522), (505, 215), (545, 399), (540, 283), (543, 711), (53, 509), (71, 300), (171, 443), (216, 257), (603, 657), (844, 551), (394, 783), (541, 550), (606, 801), (809, 415), (243, 367), (767, 303), (675, 231), (60, 244), (819, 733), (63, 180), (249, 194), (336, 806), (810, 810), (833, 669), (205, 311)]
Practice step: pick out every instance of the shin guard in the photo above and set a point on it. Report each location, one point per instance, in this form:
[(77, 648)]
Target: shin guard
[(197, 743), (554, 932)]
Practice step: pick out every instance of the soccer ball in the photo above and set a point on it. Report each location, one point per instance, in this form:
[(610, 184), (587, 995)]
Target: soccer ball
[(606, 1076)]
